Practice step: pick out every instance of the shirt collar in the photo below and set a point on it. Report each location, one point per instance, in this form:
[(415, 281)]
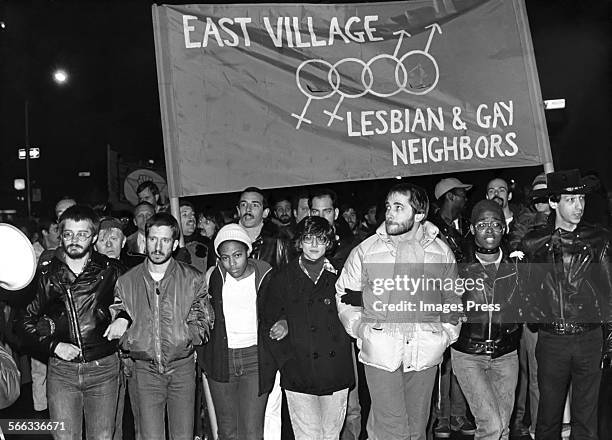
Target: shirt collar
[(496, 262), (326, 266)]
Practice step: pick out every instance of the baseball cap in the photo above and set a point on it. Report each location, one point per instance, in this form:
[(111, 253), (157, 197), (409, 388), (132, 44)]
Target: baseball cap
[(445, 185)]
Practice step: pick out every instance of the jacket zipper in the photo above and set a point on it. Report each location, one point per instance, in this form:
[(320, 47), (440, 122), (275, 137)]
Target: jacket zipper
[(157, 329), (559, 286), (75, 323)]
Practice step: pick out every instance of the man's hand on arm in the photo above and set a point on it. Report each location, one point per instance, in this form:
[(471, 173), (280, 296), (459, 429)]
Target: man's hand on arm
[(279, 330), (116, 329)]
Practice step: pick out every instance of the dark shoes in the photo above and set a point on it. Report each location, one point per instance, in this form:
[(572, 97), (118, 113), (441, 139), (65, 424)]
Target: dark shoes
[(442, 429), (463, 425), (519, 431)]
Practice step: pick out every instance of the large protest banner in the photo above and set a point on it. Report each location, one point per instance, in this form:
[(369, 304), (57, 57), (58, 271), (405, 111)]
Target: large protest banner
[(277, 95)]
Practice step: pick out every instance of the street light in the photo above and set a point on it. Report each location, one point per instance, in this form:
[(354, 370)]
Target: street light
[(60, 76)]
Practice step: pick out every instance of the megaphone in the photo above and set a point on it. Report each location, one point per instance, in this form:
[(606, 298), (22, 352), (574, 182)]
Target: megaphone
[(17, 258)]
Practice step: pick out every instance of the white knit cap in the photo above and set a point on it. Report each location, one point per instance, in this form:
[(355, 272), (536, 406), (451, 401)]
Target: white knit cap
[(232, 232)]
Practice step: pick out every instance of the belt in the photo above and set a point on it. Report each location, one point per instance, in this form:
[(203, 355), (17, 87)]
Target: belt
[(568, 328)]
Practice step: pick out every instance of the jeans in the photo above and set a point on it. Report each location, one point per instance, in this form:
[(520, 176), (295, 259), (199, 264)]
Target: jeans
[(452, 401), (39, 385), (317, 417), (132, 389), (172, 391), (91, 389), (240, 411), (489, 386), (401, 403), (561, 359), (528, 380), (127, 382), (352, 422), (118, 434)]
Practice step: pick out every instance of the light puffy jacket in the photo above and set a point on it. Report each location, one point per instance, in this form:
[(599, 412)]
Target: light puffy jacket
[(419, 349)]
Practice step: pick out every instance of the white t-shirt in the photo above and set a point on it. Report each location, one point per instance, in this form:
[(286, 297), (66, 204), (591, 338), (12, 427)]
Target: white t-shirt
[(157, 276), (240, 311)]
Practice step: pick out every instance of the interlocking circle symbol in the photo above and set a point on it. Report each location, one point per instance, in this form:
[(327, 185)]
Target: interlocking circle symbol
[(334, 84), (401, 73)]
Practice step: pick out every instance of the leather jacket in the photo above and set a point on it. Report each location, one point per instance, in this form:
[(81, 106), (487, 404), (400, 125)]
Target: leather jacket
[(76, 306), (570, 277), (497, 332), (452, 237), (270, 246)]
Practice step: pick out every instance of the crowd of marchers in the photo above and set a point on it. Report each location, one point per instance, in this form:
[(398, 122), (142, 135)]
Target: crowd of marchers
[(258, 323)]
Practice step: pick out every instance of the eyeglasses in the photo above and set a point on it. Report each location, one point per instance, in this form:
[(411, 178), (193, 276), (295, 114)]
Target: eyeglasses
[(483, 226), (313, 239), (81, 235)]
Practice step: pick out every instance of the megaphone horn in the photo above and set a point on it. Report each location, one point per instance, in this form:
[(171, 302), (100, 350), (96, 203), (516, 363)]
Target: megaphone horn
[(17, 258)]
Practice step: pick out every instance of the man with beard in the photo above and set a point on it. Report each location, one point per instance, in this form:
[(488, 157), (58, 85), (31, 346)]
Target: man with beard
[(282, 215), (165, 304), (570, 287), (499, 191), (200, 248), (61, 206), (268, 243), (73, 294), (400, 349)]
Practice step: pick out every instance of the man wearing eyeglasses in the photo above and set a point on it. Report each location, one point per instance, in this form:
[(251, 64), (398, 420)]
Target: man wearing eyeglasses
[(485, 359), (67, 320)]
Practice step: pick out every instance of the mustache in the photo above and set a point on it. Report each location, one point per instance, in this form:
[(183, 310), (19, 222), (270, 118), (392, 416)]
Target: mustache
[(498, 200)]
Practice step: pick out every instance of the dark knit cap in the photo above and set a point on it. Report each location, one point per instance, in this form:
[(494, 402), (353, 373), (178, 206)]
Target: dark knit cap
[(486, 205)]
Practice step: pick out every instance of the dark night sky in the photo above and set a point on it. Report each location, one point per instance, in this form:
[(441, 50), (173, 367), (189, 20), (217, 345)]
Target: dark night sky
[(112, 98)]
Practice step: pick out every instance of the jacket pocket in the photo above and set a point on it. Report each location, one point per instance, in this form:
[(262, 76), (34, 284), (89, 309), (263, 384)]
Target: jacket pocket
[(432, 342), (379, 349)]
